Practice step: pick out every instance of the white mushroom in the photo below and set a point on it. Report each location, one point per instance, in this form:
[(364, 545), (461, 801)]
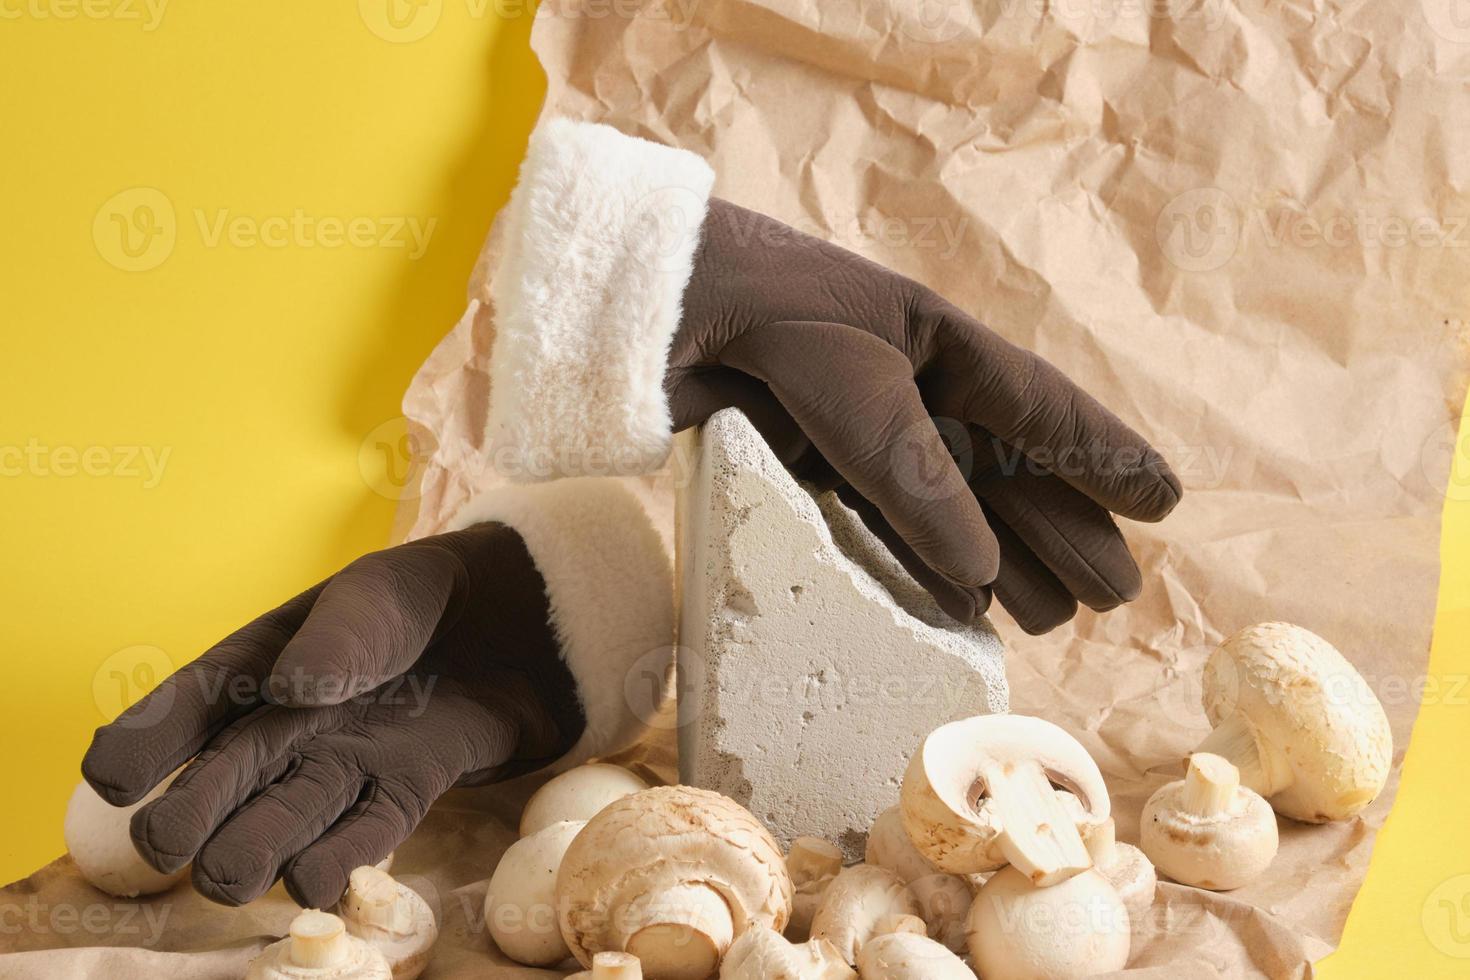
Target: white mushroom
[(391, 916), (998, 789), (812, 864), (944, 903), (97, 835), (1207, 830), (520, 901), (859, 899), (578, 794), (905, 956), (1020, 931), (1298, 721), (672, 875), (319, 948), (889, 847), (764, 954), (1126, 867), (612, 966)]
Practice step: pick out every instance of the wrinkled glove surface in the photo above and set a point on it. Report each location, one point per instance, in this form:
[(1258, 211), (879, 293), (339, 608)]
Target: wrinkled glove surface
[(321, 732), (850, 371)]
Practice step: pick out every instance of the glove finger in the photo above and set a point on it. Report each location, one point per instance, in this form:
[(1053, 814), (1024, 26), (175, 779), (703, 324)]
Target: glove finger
[(371, 622), (244, 857), (1071, 534), (960, 604), (854, 396), (1034, 597), (368, 832), (151, 739), (1028, 403), (240, 762)]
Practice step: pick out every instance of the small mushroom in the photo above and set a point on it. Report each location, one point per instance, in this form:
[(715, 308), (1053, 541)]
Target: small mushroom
[(906, 956), (1207, 830), (812, 864), (520, 901), (578, 794), (889, 847), (98, 837), (319, 948), (762, 954), (998, 789), (391, 916), (1022, 931), (1298, 721), (612, 966), (672, 875), (1126, 867), (944, 903), (856, 903)]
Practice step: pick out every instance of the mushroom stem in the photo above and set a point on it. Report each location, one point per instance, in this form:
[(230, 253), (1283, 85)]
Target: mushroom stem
[(1040, 837), (682, 931), (811, 859), (1102, 843), (372, 899), (616, 966), (1209, 785), (318, 940), (1261, 769)]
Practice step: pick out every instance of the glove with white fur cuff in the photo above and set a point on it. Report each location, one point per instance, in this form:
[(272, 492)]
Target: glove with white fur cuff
[(317, 736), (630, 304)]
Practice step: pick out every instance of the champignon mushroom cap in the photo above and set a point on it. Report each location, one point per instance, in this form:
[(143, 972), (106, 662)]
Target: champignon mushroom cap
[(889, 847), (1298, 721), (761, 954), (906, 956), (578, 794), (858, 900), (671, 874), (997, 789), (1021, 931), (1207, 830)]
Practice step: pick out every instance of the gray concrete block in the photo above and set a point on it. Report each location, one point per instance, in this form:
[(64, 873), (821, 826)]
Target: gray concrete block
[(811, 665)]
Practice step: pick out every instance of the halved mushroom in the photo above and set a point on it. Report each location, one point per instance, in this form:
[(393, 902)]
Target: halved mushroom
[(856, 905), (761, 954), (672, 875), (1298, 721), (812, 863), (1003, 789)]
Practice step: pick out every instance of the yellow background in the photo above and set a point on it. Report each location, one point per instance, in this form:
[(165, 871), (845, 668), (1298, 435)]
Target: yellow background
[(271, 375)]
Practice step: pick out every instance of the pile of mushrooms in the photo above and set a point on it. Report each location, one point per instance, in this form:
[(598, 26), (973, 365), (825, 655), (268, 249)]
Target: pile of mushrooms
[(1000, 859)]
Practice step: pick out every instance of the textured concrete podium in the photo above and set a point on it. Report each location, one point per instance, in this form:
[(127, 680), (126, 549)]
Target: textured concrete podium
[(810, 664)]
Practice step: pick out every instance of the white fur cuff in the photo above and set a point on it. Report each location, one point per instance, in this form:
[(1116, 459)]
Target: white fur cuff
[(600, 241), (611, 592)]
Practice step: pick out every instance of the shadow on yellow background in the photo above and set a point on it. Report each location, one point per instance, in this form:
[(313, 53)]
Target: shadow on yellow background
[(231, 232)]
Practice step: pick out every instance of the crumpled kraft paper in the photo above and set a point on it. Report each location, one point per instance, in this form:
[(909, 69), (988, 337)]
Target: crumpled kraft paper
[(1241, 226)]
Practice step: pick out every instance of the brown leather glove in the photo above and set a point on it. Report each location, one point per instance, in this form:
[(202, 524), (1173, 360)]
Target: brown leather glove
[(630, 304), (321, 732)]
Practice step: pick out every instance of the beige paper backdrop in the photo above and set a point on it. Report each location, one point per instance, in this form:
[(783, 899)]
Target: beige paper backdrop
[(1236, 224)]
